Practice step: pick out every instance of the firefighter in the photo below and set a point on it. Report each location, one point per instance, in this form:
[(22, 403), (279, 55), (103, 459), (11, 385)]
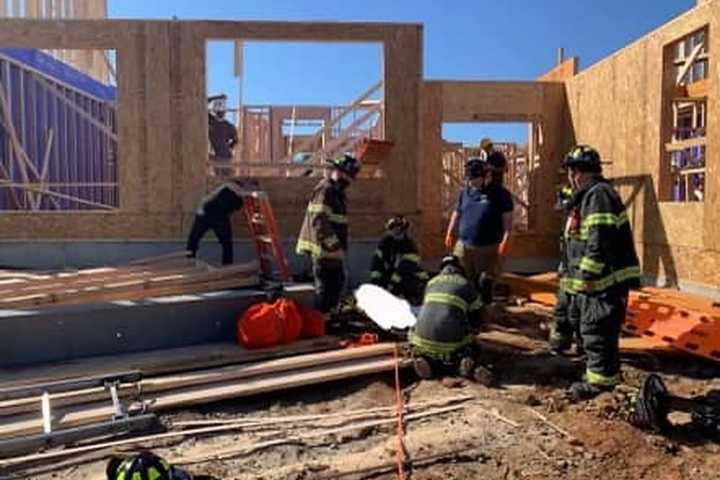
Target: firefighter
[(396, 262), (324, 232), (443, 337), (566, 321), (144, 465), (214, 214), (601, 267)]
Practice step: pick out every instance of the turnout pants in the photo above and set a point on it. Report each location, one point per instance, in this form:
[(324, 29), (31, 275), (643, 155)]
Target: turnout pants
[(566, 317), (222, 229), (601, 317), (329, 275)]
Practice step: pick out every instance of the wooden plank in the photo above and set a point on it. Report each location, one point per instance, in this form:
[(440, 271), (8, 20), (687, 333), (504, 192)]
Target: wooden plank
[(197, 378), (189, 396), (160, 362), (685, 144)]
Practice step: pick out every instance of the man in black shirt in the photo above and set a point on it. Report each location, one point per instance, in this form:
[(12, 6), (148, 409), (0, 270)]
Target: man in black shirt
[(223, 135), (214, 214)]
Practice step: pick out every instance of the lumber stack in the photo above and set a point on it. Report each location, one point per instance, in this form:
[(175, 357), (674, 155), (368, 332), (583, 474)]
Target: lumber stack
[(160, 276), (169, 392)]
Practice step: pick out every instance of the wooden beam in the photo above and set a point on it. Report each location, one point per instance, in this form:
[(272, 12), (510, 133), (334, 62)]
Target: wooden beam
[(290, 377), (685, 144), (689, 63), (83, 113)]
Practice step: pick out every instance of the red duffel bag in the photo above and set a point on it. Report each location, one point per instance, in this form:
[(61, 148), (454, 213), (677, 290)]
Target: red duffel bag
[(269, 324)]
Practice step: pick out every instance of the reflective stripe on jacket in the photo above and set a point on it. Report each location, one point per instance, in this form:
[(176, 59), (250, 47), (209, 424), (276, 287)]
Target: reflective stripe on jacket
[(324, 231), (451, 308), (598, 241)]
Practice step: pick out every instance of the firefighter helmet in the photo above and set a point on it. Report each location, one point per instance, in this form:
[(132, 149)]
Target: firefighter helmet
[(583, 158), (399, 222), (347, 164)]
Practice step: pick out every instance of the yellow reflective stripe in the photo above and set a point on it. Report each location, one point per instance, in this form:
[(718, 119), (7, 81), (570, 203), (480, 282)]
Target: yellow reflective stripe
[(590, 265), (432, 348), (395, 278), (306, 246), (136, 476), (422, 275), (375, 274), (153, 473), (476, 305), (454, 278), (599, 219), (379, 254), (322, 208), (411, 257), (595, 378), (319, 208), (596, 219), (338, 218), (446, 299), (628, 273), (574, 285)]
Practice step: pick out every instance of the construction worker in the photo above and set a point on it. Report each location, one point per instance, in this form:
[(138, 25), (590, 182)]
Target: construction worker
[(498, 164), (223, 137), (486, 148), (483, 222), (396, 263), (566, 321), (324, 232), (214, 214), (601, 267), (443, 337), (143, 466)]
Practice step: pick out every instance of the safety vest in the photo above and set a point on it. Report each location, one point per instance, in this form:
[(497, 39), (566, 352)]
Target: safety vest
[(598, 243), (324, 231), (451, 307)]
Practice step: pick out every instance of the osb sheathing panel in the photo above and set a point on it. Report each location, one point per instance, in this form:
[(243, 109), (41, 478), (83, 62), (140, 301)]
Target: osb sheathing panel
[(491, 101), (162, 124), (616, 106), (561, 72)]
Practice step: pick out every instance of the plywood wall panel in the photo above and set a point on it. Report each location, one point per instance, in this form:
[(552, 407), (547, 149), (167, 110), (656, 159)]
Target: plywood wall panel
[(617, 106), (491, 101)]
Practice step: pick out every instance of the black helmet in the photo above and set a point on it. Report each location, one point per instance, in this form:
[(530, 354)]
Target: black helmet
[(398, 221), (145, 465), (497, 160), (584, 158), (347, 164), (475, 167), (450, 261)]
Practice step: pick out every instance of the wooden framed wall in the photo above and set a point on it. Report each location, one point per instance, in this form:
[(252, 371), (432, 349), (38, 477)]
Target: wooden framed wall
[(617, 105), (162, 124), (539, 103)]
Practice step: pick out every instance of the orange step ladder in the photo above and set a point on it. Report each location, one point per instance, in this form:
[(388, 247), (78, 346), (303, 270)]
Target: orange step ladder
[(261, 222)]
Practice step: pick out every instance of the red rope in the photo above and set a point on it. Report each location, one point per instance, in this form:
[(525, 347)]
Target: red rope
[(400, 452)]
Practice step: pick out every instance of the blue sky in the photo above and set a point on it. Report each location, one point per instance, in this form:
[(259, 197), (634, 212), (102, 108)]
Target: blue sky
[(464, 40)]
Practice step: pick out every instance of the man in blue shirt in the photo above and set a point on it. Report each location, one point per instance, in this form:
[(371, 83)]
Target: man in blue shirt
[(479, 228)]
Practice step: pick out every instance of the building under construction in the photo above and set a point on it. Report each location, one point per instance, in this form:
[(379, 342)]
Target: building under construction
[(104, 156)]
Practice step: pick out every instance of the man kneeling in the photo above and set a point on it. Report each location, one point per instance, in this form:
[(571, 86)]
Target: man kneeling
[(443, 340)]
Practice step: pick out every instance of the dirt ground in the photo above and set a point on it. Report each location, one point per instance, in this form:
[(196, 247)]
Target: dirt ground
[(495, 433)]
